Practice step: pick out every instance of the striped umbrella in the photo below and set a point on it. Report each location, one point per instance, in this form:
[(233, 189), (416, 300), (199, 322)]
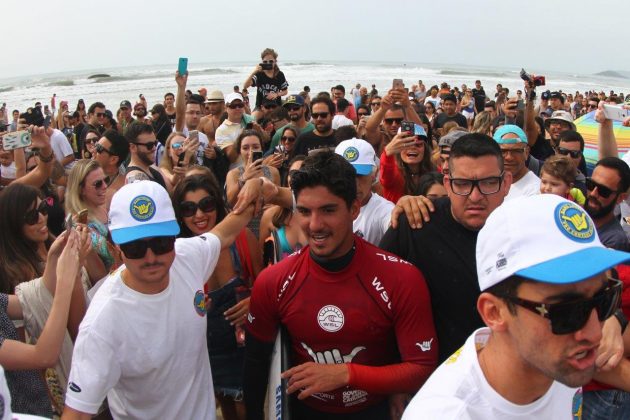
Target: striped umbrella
[(588, 128)]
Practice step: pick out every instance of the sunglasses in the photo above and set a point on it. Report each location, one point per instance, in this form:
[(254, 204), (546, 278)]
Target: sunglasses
[(160, 245), (31, 217), (268, 61), (176, 146), (189, 208), (100, 114), (375, 104), (98, 184), (322, 115), (270, 106), (287, 138), (235, 106), (393, 120), (149, 145), (602, 190), (100, 149), (564, 152), (592, 106), (294, 108), (569, 317), (89, 140)]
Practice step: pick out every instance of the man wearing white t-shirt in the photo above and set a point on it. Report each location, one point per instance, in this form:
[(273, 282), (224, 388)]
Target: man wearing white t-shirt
[(62, 149), (542, 273), (142, 342), (373, 219), (513, 142)]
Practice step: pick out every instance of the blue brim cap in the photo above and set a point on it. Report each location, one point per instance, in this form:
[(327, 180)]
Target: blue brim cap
[(363, 169), (129, 234), (575, 267)]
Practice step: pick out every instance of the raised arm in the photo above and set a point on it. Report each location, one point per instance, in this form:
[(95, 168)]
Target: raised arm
[(180, 101), (250, 79), (40, 139), (606, 141), (531, 128)]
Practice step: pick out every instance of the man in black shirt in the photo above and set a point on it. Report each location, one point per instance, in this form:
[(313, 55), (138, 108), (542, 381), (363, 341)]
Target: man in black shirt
[(480, 96), (449, 105), (323, 137), (444, 249)]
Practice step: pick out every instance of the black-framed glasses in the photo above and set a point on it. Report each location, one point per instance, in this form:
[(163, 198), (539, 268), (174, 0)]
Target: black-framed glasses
[(31, 217), (100, 149), (317, 115), (602, 190), (592, 106), (293, 108), (375, 104), (393, 120), (149, 145), (138, 249), (100, 114), (564, 152), (236, 106), (572, 316), (290, 139), (268, 61), (189, 208), (486, 186), (89, 140)]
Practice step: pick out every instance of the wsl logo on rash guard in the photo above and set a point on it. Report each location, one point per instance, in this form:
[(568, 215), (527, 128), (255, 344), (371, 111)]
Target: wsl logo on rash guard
[(330, 318)]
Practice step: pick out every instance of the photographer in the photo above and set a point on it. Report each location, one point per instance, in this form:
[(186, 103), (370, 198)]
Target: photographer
[(269, 80)]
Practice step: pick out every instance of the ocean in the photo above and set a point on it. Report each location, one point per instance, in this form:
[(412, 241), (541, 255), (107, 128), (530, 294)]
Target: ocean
[(155, 80)]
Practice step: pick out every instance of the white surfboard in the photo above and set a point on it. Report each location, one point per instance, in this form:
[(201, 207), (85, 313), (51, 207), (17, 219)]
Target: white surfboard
[(277, 398)]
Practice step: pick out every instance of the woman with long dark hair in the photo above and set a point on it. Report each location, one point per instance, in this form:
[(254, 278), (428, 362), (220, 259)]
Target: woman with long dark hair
[(160, 122)]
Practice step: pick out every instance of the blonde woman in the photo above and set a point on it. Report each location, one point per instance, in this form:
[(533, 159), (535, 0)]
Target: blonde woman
[(468, 107), (483, 123), (177, 157)]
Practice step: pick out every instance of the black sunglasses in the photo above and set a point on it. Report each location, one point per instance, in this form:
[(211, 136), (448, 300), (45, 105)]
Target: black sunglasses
[(100, 149), (569, 317), (235, 106), (189, 208), (375, 104), (31, 217), (89, 140), (393, 120), (287, 138), (100, 114), (149, 145), (99, 183), (270, 106), (317, 115), (138, 249), (564, 152), (602, 190), (293, 108)]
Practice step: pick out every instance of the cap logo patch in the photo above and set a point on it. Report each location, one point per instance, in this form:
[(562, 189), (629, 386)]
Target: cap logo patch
[(351, 154), (142, 208), (574, 223)]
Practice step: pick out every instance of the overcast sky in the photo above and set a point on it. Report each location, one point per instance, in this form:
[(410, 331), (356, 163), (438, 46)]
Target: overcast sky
[(562, 35)]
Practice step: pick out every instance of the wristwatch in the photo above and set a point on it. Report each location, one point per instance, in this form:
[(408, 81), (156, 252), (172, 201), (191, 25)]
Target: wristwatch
[(623, 321)]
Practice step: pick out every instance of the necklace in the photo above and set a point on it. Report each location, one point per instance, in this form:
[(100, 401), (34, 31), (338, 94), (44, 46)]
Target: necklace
[(110, 181)]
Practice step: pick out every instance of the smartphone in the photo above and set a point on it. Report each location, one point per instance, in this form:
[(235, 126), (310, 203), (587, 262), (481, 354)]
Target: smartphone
[(16, 140), (256, 156), (180, 159), (407, 126), (193, 135), (398, 84), (612, 112), (82, 217), (68, 223), (182, 66)]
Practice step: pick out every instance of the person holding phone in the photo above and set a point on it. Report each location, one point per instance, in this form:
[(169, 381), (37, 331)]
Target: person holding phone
[(180, 153), (268, 79)]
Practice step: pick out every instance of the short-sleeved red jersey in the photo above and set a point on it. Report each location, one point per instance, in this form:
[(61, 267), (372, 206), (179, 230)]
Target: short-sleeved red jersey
[(374, 312)]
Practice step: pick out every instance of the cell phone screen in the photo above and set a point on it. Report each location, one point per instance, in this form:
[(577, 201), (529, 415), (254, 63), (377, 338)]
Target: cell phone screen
[(256, 156)]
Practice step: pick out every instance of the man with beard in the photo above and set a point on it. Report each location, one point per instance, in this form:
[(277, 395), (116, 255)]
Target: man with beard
[(385, 120), (140, 112), (125, 116), (479, 95), (606, 188), (111, 152), (215, 106), (142, 143), (296, 109), (323, 137)]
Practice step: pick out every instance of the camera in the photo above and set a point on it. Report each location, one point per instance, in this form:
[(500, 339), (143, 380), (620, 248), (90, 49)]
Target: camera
[(536, 80), (266, 66), (33, 116)]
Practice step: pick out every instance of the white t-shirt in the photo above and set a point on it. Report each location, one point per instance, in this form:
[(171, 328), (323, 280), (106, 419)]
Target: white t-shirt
[(227, 133), (203, 143), (148, 353), (340, 120), (436, 101), (459, 390), (373, 220), (524, 187), (8, 172), (61, 147)]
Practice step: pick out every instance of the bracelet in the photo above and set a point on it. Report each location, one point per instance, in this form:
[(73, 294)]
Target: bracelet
[(46, 159)]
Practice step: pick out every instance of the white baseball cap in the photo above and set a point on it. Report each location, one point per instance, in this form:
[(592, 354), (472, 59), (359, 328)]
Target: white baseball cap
[(545, 238), (234, 96), (359, 153), (140, 210)]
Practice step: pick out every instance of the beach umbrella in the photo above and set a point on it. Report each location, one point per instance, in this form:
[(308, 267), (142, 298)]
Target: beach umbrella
[(588, 128)]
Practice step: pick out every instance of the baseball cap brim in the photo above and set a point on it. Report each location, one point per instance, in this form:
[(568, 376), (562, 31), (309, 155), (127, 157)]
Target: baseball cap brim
[(363, 169), (575, 267), (129, 234)]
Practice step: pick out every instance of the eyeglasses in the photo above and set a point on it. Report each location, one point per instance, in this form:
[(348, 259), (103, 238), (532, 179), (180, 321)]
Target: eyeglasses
[(99, 183), (322, 115), (149, 145), (31, 217), (591, 106), (602, 190), (100, 149), (100, 114), (270, 106), (189, 208), (514, 152), (268, 61), (362, 114), (294, 108), (288, 138), (375, 104), (564, 152), (393, 120), (569, 317), (90, 140), (486, 186), (235, 106), (160, 245)]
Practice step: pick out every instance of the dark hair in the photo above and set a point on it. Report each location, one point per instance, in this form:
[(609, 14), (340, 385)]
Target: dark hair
[(342, 104), (428, 180), (329, 170), (120, 145), (365, 107), (95, 105), (571, 136), (295, 131), (280, 113), (247, 133), (195, 99), (324, 100), (324, 94), (282, 217), (622, 170), (475, 145), (425, 120), (206, 182), (169, 94), (506, 288), (19, 259), (449, 97), (345, 132), (135, 129), (341, 88)]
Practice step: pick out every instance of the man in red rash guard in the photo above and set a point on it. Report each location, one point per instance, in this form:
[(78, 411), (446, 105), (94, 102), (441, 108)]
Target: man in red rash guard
[(359, 318)]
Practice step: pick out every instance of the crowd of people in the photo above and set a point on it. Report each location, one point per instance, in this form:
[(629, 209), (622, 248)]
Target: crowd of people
[(430, 252)]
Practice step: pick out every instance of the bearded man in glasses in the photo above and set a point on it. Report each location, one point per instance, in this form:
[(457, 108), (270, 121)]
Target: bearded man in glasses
[(543, 303), (143, 342)]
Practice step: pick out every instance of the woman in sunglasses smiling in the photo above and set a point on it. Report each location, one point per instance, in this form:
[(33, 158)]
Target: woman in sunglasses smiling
[(87, 189)]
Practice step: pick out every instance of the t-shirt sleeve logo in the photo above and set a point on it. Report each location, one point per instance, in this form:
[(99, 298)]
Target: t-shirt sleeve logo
[(142, 208), (199, 303), (574, 223)]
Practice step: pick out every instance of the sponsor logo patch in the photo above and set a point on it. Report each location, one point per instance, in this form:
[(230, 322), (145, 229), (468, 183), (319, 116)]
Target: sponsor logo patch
[(330, 318), (142, 208), (199, 303), (574, 223)]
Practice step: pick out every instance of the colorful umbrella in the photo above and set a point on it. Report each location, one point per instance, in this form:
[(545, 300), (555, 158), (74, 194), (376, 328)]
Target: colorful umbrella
[(588, 128)]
